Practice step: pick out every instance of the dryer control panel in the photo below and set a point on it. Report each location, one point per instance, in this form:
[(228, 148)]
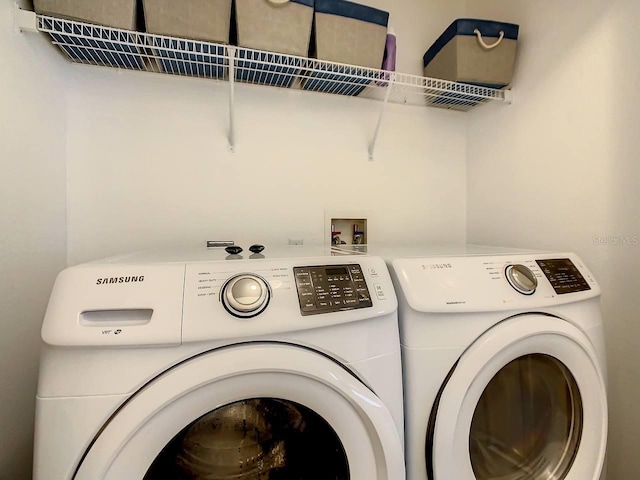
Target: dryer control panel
[(331, 288), (563, 275), (481, 283)]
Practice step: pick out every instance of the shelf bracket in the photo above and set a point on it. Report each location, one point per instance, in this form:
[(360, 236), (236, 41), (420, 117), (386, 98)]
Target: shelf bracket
[(232, 80), (508, 97), (372, 146), (24, 20)]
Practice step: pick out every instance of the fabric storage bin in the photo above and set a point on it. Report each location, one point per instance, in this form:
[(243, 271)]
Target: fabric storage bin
[(86, 44), (190, 57), (280, 26), (479, 52), (202, 20), (347, 32), (110, 13), (104, 46), (206, 20)]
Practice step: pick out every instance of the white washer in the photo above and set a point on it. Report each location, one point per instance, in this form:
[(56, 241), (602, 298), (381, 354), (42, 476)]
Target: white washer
[(504, 365), (203, 363)]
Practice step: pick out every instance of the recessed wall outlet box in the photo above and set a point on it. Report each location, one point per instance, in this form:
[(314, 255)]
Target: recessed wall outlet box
[(349, 231)]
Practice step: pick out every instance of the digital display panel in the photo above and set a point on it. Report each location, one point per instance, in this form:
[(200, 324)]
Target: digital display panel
[(563, 275), (331, 288), (336, 271)]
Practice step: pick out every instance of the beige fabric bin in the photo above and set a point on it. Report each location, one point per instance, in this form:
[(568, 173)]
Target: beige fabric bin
[(110, 13), (350, 33), (275, 25), (479, 52), (206, 20)]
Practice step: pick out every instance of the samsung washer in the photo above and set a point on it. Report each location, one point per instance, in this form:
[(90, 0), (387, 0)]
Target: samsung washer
[(199, 364)]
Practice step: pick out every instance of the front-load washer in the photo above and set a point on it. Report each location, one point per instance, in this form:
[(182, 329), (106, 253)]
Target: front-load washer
[(193, 365), (504, 365)]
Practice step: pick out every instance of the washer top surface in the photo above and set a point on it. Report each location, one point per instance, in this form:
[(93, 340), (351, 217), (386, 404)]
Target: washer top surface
[(202, 254)]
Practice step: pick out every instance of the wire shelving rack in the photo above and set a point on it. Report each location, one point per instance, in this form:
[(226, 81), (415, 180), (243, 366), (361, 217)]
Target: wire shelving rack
[(110, 47)]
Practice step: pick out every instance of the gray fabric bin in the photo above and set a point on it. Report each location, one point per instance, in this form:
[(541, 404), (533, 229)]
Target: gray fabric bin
[(110, 13), (479, 52), (206, 20), (275, 25)]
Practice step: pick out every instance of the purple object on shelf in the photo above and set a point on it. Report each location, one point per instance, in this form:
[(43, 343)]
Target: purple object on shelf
[(389, 60)]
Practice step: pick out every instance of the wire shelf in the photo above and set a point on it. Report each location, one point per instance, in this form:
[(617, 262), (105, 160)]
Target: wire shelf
[(104, 46)]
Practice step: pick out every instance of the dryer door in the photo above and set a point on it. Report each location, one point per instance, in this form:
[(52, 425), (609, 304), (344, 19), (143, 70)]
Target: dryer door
[(256, 411), (526, 401)]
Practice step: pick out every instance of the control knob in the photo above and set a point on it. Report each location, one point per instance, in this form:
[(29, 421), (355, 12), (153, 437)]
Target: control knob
[(521, 278), (245, 295)]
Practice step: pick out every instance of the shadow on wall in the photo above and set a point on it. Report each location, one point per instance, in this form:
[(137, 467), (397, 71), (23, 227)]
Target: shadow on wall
[(553, 27), (25, 5), (623, 304)]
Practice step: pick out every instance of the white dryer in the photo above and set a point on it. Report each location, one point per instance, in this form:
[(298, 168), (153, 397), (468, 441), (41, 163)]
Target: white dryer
[(504, 365), (206, 365)]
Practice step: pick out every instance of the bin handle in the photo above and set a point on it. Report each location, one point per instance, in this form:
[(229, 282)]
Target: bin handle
[(278, 2), (482, 42)]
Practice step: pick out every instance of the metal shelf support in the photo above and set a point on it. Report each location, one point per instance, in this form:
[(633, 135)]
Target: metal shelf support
[(383, 109), (232, 81)]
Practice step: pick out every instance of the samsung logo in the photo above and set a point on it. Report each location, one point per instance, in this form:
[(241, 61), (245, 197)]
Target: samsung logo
[(109, 280), (437, 266)]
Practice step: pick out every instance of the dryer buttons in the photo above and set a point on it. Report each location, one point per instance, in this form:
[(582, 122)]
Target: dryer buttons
[(245, 295), (521, 278)]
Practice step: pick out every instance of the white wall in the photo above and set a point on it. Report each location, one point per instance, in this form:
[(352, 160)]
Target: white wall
[(32, 225), (148, 165), (559, 169), (148, 162)]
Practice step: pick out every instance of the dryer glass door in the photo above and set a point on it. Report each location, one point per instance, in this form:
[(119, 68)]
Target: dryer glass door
[(526, 401), (249, 412), (528, 419)]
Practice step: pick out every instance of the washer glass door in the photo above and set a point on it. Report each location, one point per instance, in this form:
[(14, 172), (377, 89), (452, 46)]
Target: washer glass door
[(526, 401), (260, 438), (249, 412)]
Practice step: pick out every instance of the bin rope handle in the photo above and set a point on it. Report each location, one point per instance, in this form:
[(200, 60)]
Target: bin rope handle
[(278, 2), (482, 42)]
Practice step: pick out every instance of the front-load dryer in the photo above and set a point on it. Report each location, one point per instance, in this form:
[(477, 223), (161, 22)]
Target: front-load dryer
[(504, 366), (197, 365)]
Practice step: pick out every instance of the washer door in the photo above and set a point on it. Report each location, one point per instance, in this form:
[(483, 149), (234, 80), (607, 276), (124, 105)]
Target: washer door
[(256, 411), (527, 401)]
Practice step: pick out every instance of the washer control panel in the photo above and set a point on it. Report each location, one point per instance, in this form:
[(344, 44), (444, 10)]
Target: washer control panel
[(563, 275), (331, 288)]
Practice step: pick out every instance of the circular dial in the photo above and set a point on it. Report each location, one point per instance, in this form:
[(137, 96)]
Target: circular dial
[(245, 295), (521, 278)]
